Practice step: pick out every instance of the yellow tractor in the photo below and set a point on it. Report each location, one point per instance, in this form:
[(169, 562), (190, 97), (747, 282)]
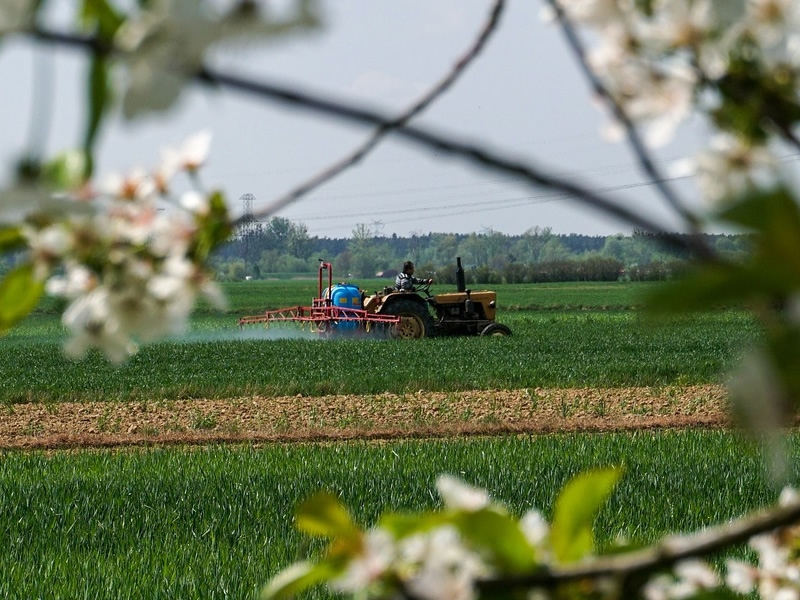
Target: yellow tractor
[(422, 314), (344, 309)]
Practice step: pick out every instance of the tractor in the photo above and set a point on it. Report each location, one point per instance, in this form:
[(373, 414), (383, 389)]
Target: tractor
[(422, 314), (345, 309)]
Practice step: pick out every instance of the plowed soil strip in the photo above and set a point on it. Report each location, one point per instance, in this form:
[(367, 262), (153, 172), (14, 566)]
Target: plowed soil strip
[(384, 416)]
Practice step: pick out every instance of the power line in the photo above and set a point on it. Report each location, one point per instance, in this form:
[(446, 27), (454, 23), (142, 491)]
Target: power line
[(484, 205), (460, 208)]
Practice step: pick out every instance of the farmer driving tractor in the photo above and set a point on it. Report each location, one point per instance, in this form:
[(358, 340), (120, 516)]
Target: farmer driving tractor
[(406, 282)]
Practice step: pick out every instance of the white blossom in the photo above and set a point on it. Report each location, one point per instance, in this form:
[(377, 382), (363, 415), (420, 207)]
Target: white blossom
[(76, 281), (771, 22), (24, 199), (777, 575), (535, 528), (740, 576), (195, 202), (730, 168), (94, 326), (376, 557), (689, 31), (690, 578), (443, 568), (459, 496), (680, 23), (165, 45), (136, 185), (788, 496), (128, 265), (48, 245), (193, 152), (658, 100)]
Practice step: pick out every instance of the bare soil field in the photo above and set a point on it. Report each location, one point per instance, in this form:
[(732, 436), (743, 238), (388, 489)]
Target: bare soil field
[(385, 416)]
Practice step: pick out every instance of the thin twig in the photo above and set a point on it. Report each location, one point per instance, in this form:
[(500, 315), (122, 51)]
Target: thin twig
[(790, 135), (660, 556), (621, 116), (420, 105), (473, 153)]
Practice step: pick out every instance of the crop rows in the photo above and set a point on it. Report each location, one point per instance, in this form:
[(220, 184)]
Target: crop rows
[(548, 349), (216, 522), (255, 296)]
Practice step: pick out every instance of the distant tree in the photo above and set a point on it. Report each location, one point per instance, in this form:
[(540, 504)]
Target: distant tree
[(299, 243), (362, 248)]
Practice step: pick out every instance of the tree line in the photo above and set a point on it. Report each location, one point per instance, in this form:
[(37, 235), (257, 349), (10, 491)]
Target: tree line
[(280, 246)]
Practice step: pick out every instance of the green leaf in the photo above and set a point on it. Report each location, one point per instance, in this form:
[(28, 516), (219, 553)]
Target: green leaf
[(298, 578), (775, 217), (214, 227), (783, 350), (500, 535), (402, 525), (712, 286), (103, 15), (755, 101), (764, 211), (20, 292), (576, 508), (323, 514), (720, 593), (99, 96), (11, 238), (771, 273), (67, 171)]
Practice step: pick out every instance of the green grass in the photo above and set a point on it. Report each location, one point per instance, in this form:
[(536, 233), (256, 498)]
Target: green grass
[(217, 360), (215, 522), (554, 347), (256, 296), (591, 295)]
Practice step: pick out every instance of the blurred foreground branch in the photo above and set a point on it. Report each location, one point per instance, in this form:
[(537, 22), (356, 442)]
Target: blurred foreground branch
[(664, 555), (419, 106)]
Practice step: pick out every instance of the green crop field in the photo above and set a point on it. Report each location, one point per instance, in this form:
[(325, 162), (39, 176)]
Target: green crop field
[(555, 347), (253, 296), (216, 522)]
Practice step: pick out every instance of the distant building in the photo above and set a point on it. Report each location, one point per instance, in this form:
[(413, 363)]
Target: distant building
[(388, 274)]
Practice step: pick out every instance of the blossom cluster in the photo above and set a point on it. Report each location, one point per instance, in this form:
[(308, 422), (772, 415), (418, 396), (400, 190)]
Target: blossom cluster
[(161, 45), (737, 61), (437, 563), (443, 556), (430, 563), (126, 254), (776, 576)]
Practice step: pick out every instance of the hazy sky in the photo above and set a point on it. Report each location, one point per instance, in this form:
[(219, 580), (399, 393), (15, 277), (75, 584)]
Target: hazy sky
[(523, 96)]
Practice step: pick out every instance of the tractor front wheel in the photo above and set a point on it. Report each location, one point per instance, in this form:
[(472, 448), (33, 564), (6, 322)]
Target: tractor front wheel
[(496, 329), (415, 320)]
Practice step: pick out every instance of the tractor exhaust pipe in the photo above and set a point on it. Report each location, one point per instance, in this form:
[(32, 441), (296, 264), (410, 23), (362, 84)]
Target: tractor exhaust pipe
[(460, 282)]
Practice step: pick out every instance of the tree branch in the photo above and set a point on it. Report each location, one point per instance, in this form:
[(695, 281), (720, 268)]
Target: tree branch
[(473, 153), (661, 556), (351, 159), (634, 139)]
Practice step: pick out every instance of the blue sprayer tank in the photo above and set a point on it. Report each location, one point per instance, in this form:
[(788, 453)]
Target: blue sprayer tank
[(345, 295)]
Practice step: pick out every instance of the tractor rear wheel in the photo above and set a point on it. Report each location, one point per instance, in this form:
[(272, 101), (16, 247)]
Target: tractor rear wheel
[(496, 329), (415, 320)]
